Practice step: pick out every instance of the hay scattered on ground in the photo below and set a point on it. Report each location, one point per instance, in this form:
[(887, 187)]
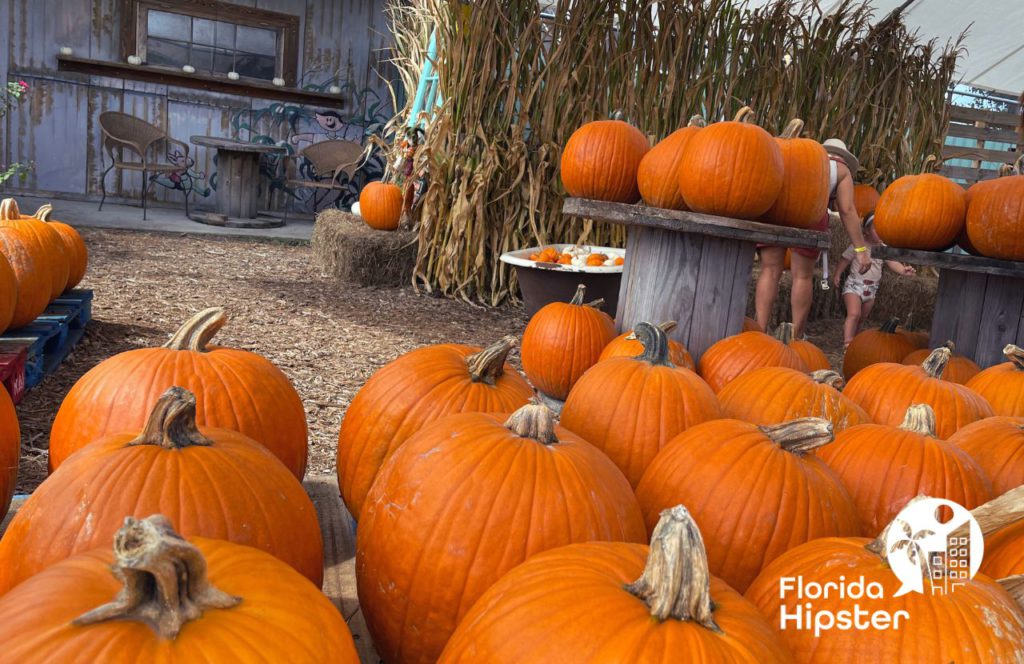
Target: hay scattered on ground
[(352, 252)]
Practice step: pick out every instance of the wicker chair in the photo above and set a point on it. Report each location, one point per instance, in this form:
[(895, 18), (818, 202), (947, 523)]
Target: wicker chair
[(329, 160), (125, 133)]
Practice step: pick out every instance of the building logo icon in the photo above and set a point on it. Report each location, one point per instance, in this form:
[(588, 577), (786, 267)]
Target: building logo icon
[(924, 541)]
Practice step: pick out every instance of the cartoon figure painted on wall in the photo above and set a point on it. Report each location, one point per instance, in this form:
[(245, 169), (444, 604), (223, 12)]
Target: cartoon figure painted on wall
[(187, 180)]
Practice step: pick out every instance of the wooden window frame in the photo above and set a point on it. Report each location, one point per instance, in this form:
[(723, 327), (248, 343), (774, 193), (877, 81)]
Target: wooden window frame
[(134, 16)]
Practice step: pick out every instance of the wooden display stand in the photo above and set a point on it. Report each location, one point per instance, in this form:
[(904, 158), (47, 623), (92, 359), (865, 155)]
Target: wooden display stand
[(980, 302), (688, 267)]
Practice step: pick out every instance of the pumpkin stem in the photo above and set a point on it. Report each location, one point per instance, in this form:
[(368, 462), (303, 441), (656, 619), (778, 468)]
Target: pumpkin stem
[(487, 365), (9, 209), (793, 129), (889, 326), (655, 343), (931, 164), (44, 212), (697, 121), (936, 361), (800, 436), (745, 114), (676, 582), (533, 421), (1015, 354), (920, 419), (667, 326), (828, 377), (197, 331), (172, 423), (784, 333), (581, 292), (996, 514), (1015, 586), (164, 576), (1005, 170)]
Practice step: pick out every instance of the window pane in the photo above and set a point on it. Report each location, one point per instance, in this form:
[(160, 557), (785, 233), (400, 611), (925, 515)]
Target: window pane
[(202, 58), (165, 52), (223, 61), (225, 35), (169, 25), (256, 40), (202, 31), (256, 66)]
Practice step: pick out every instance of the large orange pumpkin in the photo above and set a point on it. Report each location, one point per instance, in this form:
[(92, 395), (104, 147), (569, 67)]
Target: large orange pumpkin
[(10, 451), (886, 390), (630, 407), (168, 600), (865, 199), (1002, 385), (601, 160), (8, 291), (236, 389), (886, 344), (813, 357), (803, 200), (32, 260), (997, 444), (55, 260), (467, 499), (562, 341), (732, 169), (74, 246), (414, 390), (755, 492), (925, 211), (959, 369), (772, 395), (613, 602), (657, 175), (210, 482), (995, 219), (627, 345), (380, 205), (734, 356), (885, 466), (976, 623)]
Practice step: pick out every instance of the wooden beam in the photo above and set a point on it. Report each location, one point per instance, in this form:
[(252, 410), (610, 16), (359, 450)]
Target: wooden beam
[(970, 174), (944, 260), (972, 115), (984, 133), (978, 153)]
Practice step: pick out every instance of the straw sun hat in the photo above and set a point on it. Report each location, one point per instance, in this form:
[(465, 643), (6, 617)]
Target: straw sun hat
[(838, 148)]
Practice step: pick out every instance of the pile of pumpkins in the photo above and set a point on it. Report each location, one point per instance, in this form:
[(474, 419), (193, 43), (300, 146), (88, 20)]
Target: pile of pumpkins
[(40, 258), (491, 530), (188, 458)]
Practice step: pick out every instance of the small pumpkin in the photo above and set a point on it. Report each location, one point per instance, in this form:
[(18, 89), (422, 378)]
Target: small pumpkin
[(630, 407), (886, 390), (916, 336), (995, 218), (886, 344), (236, 389), (171, 600), (628, 345), (1002, 523), (432, 382), (601, 161), (803, 200), (656, 176), (211, 482), (751, 489), (464, 501), (997, 444), (732, 169), (865, 199), (10, 451), (32, 259), (8, 292), (773, 395), (562, 341), (613, 602), (1002, 385), (380, 205), (813, 357), (884, 466), (74, 246), (734, 356), (959, 369), (925, 211)]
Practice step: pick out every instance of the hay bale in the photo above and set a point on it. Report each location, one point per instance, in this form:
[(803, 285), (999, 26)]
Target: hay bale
[(350, 251)]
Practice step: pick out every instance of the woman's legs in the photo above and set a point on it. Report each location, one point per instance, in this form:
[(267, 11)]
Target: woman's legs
[(802, 269), (853, 316), (772, 265)]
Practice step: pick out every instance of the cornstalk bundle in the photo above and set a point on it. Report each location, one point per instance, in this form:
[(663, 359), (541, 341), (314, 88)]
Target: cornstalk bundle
[(516, 84)]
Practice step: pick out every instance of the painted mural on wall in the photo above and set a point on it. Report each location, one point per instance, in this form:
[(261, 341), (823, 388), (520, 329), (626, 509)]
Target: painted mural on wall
[(188, 180)]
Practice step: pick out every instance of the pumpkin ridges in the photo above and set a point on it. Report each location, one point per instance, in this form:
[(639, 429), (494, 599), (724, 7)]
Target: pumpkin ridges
[(997, 444), (921, 212), (656, 175), (1002, 385), (803, 200), (625, 345), (601, 159), (10, 450), (734, 356), (380, 205), (8, 291), (74, 247)]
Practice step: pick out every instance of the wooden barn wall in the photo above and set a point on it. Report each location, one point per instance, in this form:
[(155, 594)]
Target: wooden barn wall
[(56, 128)]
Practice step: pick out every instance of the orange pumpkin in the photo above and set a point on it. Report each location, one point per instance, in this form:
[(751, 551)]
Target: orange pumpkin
[(564, 340), (414, 390), (925, 211), (886, 390), (236, 389), (997, 444), (959, 369), (425, 552), (755, 492), (803, 200), (812, 356), (657, 175), (630, 407), (627, 345), (380, 205), (10, 451), (995, 219), (772, 395), (33, 260), (934, 626), (1002, 385), (917, 337), (869, 347), (613, 602), (750, 325), (210, 482), (74, 246), (732, 169), (174, 601), (885, 466), (865, 199), (734, 356), (8, 291), (51, 247), (601, 161)]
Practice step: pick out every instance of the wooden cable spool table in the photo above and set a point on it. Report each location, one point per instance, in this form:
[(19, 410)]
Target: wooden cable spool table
[(688, 267), (979, 305), (238, 178)]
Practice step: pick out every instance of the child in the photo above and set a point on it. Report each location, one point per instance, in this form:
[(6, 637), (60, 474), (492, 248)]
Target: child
[(860, 289)]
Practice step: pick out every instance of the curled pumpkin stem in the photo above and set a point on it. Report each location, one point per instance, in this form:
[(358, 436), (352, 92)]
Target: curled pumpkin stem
[(44, 212), (793, 129), (197, 331), (920, 418), (889, 326), (488, 365), (655, 343), (533, 421), (936, 361), (172, 423), (784, 333), (697, 121), (581, 292), (1015, 354), (9, 210), (996, 514), (800, 436), (1015, 586), (828, 377), (745, 114)]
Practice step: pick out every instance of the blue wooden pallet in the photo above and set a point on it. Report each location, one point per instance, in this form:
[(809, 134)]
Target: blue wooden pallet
[(49, 338)]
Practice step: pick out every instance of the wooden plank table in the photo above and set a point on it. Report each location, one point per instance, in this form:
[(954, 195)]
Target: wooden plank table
[(688, 267), (979, 305)]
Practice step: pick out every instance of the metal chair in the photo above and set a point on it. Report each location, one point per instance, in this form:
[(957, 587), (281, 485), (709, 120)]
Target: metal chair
[(123, 132), (328, 160)]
